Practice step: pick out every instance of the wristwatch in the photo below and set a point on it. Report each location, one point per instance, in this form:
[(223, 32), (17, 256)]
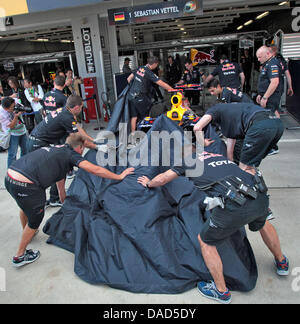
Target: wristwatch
[(265, 98), (147, 184)]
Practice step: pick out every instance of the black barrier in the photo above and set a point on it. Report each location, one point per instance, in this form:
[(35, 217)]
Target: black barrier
[(293, 103)]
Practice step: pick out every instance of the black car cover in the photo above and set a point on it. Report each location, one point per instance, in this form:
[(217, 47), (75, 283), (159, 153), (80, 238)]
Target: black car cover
[(140, 240)]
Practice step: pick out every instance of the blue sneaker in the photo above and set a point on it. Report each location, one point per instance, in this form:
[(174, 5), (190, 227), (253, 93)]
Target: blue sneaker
[(29, 257), (283, 267), (209, 290)]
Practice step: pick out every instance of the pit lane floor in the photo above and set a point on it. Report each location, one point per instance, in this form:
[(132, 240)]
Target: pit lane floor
[(51, 280)]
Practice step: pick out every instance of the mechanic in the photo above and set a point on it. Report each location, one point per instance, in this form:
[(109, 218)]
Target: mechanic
[(55, 98), (230, 74), (191, 75), (29, 177), (270, 84), (229, 95), (56, 126), (256, 125), (140, 93), (232, 199)]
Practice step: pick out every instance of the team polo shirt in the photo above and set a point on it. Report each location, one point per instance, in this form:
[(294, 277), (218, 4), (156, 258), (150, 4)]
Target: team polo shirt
[(191, 77), (270, 70), (54, 100), (216, 168), (57, 125), (234, 118), (47, 165), (229, 74), (143, 82)]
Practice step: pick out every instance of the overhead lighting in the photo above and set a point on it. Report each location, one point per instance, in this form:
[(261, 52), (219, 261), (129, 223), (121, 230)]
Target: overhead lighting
[(43, 61), (41, 40), (198, 45), (248, 22), (240, 27), (66, 41), (263, 15), (283, 3), (182, 29)]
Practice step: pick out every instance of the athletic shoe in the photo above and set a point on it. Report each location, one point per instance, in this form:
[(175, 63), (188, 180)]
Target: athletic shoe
[(270, 215), (71, 175), (55, 203), (29, 257), (273, 152), (282, 267), (209, 290)]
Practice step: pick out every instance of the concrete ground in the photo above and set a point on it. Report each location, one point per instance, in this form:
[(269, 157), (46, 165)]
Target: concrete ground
[(52, 279)]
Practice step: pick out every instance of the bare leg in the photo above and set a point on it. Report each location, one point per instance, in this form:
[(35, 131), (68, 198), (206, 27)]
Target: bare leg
[(214, 264), (23, 218), (27, 236), (271, 239), (133, 124)]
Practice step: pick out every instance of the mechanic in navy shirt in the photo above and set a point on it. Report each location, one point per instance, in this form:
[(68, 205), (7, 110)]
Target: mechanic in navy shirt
[(55, 98), (58, 124), (257, 126), (270, 81), (221, 223), (230, 74), (140, 93), (191, 75), (29, 177)]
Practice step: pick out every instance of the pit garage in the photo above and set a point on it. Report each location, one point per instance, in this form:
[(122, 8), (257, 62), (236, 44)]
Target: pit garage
[(219, 26)]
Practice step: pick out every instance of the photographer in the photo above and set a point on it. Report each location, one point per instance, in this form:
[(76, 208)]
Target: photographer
[(17, 93), (11, 122)]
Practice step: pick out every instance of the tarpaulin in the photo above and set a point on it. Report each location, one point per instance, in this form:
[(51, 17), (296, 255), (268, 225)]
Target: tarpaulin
[(140, 240)]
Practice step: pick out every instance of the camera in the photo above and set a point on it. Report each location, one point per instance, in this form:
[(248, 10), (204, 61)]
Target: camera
[(20, 108)]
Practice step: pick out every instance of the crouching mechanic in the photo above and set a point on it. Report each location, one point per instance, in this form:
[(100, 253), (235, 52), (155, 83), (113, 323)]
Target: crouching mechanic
[(257, 126), (233, 199), (29, 177)]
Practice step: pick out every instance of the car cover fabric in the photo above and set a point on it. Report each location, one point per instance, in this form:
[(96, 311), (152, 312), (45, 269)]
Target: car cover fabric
[(140, 240)]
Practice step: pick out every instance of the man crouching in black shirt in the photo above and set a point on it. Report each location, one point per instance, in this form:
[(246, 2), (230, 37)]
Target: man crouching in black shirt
[(28, 178), (217, 183), (256, 125)]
